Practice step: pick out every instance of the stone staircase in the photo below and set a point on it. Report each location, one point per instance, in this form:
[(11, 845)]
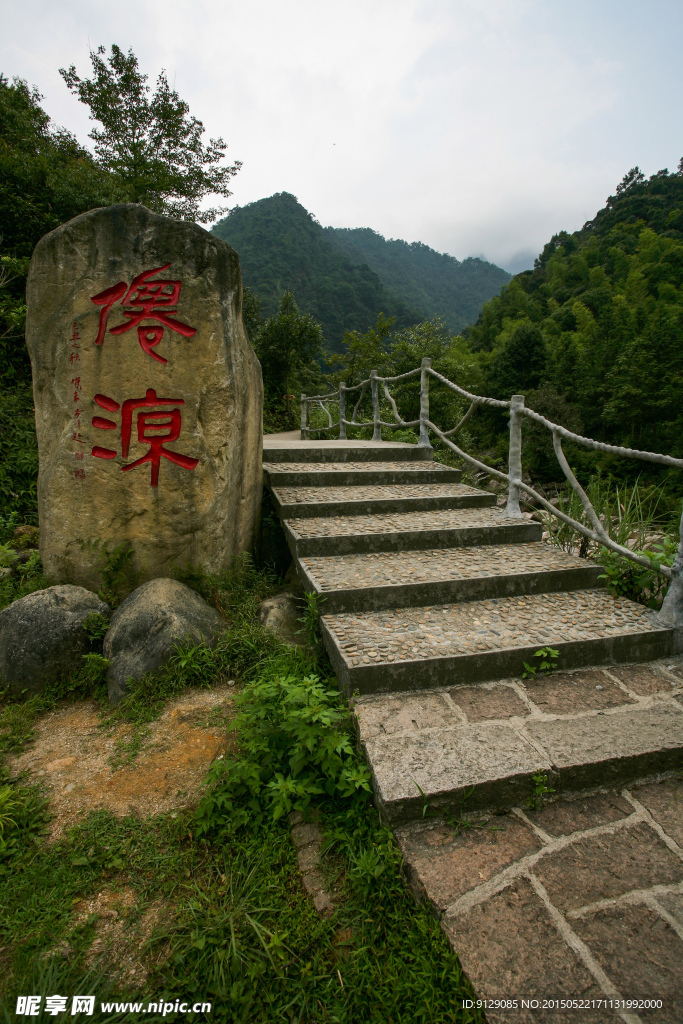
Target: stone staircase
[(431, 600)]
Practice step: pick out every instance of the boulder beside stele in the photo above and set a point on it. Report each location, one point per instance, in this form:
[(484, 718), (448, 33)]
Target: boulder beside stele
[(147, 392), (42, 637), (282, 615), (146, 626)]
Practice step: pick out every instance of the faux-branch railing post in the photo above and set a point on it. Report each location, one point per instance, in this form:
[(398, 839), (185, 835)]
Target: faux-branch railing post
[(671, 613)]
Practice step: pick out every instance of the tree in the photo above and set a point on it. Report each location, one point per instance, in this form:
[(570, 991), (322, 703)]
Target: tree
[(364, 352), (287, 344), (519, 366), (150, 142), (45, 178)]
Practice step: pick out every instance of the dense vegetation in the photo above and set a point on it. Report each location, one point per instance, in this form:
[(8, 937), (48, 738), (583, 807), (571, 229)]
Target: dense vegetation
[(593, 333), (229, 920), (283, 248), (433, 282)]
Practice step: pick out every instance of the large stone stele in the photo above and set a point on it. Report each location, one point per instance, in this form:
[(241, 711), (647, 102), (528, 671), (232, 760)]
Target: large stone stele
[(148, 395)]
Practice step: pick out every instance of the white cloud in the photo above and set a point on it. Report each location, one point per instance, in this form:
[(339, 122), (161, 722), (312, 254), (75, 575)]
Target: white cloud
[(476, 126)]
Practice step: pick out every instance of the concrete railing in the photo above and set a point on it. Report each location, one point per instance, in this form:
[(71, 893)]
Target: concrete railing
[(671, 613)]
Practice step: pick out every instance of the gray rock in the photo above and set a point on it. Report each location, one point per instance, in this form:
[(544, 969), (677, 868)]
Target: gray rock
[(145, 628), (281, 614), (42, 637)]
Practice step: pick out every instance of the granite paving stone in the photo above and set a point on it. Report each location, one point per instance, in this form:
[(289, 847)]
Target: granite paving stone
[(495, 624), (565, 692), (596, 746), (448, 761), (672, 902), (403, 714), (395, 568), (641, 679), (401, 522), (642, 955), (510, 948), (443, 864), (486, 702), (665, 804), (563, 817), (472, 749), (606, 865)]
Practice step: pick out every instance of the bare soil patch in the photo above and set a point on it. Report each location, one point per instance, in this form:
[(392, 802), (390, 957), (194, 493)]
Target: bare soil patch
[(72, 756)]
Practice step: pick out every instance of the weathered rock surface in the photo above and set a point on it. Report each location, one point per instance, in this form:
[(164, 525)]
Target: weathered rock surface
[(281, 615), (145, 628), (42, 637), (148, 395)]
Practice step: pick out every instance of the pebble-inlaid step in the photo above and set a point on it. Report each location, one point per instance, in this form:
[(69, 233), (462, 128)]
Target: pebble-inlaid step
[(437, 645), (343, 451), (398, 579), (298, 502), (323, 474), (401, 531)]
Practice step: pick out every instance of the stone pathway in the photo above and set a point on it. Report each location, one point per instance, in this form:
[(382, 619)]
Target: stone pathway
[(579, 901), (432, 599), (482, 743)]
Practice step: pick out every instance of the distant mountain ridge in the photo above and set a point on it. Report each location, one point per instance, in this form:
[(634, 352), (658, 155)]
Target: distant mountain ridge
[(282, 247), (433, 282), (346, 277)]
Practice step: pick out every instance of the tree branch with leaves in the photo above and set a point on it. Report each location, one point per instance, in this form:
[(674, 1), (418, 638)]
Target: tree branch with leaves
[(150, 141)]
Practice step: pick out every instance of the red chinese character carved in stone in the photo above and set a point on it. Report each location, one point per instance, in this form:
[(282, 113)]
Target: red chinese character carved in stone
[(154, 300), (149, 430)]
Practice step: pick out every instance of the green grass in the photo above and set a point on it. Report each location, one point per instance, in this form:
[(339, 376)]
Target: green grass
[(641, 517), (235, 926)]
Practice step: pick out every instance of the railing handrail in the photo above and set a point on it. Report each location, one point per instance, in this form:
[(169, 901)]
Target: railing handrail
[(671, 613)]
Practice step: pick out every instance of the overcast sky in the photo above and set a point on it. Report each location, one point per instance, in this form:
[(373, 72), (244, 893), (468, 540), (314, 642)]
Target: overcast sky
[(479, 127)]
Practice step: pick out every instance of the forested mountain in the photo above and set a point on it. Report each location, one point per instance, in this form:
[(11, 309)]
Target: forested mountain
[(433, 282), (595, 330), (283, 248)]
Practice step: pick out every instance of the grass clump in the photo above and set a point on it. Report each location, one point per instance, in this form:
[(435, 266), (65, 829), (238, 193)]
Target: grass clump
[(24, 579), (640, 517)]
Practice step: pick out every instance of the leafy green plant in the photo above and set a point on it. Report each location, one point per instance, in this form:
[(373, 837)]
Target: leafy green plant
[(95, 626), (540, 791), (94, 669), (8, 556), (310, 619), (194, 661), (637, 582), (8, 524), (295, 744), (547, 664)]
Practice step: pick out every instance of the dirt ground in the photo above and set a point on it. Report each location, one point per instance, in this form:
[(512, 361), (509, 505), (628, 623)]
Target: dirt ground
[(75, 758)]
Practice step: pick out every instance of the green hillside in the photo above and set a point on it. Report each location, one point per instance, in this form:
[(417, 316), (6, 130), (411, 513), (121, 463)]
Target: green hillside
[(433, 282), (594, 333), (283, 248)]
